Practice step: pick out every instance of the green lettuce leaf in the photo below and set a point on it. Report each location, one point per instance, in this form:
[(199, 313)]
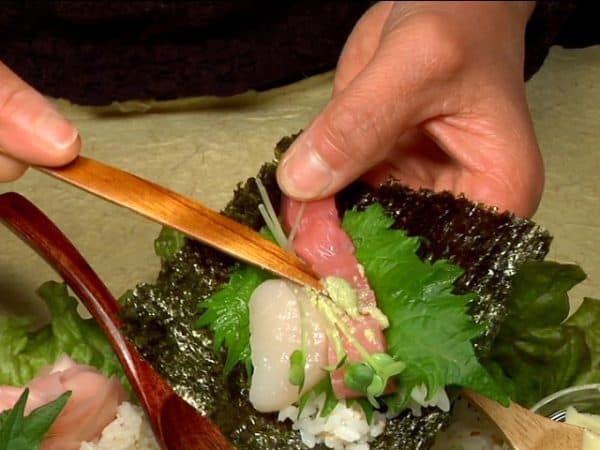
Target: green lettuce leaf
[(587, 319), (430, 328), (24, 352), (538, 350)]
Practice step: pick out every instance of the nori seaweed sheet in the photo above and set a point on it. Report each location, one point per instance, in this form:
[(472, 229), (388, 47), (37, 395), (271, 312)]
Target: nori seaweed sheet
[(159, 318)]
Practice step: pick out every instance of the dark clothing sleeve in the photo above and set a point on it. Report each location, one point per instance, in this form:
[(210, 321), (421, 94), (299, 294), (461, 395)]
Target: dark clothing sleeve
[(566, 23), (95, 52)]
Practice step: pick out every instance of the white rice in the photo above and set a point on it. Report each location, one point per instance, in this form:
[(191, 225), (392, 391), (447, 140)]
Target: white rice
[(129, 431), (418, 400), (346, 428)]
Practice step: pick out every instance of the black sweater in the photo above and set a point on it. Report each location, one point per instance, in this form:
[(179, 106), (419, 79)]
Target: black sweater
[(95, 52)]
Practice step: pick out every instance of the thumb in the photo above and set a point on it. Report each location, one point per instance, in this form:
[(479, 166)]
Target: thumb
[(31, 130), (359, 126)]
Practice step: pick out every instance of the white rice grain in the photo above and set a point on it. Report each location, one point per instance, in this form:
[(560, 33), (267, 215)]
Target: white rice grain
[(129, 431), (346, 428)]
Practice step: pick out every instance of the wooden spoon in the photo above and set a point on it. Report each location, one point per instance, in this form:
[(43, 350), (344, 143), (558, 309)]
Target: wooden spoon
[(176, 424), (525, 430), (184, 214)]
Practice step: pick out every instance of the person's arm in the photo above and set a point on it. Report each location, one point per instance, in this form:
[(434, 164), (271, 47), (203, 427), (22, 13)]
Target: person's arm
[(32, 131)]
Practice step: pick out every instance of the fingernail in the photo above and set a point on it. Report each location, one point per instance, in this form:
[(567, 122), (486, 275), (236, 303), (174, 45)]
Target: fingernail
[(56, 130), (303, 173)]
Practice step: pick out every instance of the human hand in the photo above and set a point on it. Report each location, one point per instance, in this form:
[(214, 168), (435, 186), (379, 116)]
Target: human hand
[(31, 130), (431, 93)]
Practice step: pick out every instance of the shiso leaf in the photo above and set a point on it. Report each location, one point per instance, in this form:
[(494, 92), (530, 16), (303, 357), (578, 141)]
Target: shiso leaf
[(226, 314), (539, 351), (489, 246), (430, 328), (20, 432)]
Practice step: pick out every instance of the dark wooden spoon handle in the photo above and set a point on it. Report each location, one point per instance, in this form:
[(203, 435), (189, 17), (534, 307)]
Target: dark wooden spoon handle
[(176, 424)]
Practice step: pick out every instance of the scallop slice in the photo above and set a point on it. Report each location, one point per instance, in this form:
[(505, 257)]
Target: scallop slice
[(276, 311)]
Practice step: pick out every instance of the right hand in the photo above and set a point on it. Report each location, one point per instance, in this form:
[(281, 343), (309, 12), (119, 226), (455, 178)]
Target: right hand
[(431, 93), (32, 131)]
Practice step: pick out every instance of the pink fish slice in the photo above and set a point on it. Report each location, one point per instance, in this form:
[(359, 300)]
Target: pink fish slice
[(176, 424)]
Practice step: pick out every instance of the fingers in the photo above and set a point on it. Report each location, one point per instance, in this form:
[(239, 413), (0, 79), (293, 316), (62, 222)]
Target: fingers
[(31, 130), (497, 153), (405, 82), (10, 169), (361, 123), (361, 45)]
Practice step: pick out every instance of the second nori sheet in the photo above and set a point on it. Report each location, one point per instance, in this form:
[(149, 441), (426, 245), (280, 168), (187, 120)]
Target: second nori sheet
[(159, 318)]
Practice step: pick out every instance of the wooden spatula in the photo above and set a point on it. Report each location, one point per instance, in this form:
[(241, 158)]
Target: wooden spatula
[(525, 430), (184, 214)]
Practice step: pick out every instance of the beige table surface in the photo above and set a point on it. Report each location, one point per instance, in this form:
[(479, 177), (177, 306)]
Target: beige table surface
[(202, 147)]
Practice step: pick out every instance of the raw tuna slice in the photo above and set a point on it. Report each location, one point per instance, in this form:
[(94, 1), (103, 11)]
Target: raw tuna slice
[(323, 244)]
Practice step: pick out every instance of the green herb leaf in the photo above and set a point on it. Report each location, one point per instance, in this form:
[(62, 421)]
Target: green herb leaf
[(371, 376), (386, 365), (322, 387), (297, 363), (537, 352), (20, 432), (23, 352), (168, 242), (358, 377), (430, 328), (226, 314), (376, 389)]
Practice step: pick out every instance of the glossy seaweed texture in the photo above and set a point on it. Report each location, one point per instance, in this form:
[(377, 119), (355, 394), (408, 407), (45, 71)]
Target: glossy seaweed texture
[(159, 318)]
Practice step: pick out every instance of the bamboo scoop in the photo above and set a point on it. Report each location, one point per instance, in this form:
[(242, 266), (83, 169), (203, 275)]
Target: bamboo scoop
[(184, 214), (176, 424), (524, 429)]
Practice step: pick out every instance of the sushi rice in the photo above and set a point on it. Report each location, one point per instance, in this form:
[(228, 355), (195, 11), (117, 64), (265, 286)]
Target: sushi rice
[(129, 431), (344, 429)]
